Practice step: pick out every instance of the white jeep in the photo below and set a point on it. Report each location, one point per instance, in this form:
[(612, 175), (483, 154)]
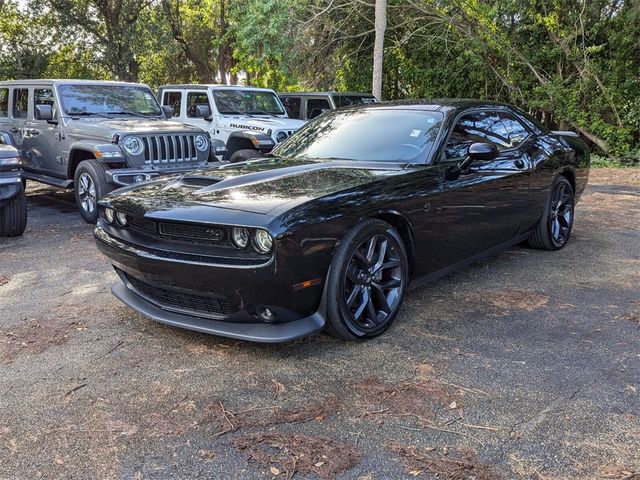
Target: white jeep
[(249, 120)]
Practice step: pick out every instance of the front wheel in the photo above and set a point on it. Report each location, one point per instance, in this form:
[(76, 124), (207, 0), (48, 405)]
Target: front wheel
[(13, 216), (244, 155), (90, 185), (554, 228), (367, 281)]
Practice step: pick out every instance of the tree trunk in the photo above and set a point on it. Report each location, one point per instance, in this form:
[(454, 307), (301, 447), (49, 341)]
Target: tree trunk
[(380, 25)]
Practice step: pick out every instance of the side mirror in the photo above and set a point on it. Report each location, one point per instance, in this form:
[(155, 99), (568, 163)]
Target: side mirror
[(203, 111), (44, 112), (478, 151), (168, 111)]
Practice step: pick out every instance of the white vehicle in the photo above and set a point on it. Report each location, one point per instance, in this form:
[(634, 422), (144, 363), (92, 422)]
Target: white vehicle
[(249, 120)]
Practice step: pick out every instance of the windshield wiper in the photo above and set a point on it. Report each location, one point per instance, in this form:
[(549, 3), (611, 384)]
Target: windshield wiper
[(262, 112), (135, 114), (86, 114)]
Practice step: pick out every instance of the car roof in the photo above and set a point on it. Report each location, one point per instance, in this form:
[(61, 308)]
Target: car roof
[(434, 104), (325, 93), (215, 86), (67, 81)]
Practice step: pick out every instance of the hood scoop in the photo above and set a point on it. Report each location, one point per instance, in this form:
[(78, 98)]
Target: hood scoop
[(198, 182)]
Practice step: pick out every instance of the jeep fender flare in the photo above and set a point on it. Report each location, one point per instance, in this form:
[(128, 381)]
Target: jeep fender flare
[(88, 149), (247, 139)]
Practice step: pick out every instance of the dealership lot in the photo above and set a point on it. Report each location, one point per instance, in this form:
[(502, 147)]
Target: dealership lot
[(525, 365)]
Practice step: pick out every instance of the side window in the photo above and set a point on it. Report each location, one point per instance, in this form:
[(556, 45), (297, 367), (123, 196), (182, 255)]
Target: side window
[(173, 100), (196, 98), (4, 102), (292, 106), (20, 102), (515, 131), (315, 106), (484, 127)]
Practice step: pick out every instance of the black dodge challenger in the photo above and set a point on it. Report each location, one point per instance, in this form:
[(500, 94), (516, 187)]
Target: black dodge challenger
[(332, 228)]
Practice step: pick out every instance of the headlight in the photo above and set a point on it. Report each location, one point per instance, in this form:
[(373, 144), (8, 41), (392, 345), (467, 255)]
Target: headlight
[(240, 237), (121, 218), (109, 215), (133, 146), (281, 137), (263, 241), (201, 142)]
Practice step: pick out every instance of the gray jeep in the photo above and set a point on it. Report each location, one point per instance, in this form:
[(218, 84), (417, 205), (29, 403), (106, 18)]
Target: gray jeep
[(13, 205), (95, 136)]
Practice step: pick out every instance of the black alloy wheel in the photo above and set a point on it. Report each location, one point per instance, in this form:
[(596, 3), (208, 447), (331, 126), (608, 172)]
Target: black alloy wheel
[(368, 280), (554, 228)]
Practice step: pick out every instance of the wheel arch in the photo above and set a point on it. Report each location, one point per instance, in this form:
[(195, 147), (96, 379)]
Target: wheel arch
[(248, 140), (404, 228), (76, 156), (570, 175)]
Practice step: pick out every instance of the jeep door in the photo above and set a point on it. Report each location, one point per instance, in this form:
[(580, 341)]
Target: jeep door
[(193, 99), (43, 139), (18, 110)]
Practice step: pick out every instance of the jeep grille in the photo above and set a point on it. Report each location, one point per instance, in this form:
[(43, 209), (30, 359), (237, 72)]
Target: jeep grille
[(159, 149)]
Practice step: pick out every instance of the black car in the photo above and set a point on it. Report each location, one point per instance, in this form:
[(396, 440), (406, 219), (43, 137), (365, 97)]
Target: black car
[(13, 205), (331, 230)]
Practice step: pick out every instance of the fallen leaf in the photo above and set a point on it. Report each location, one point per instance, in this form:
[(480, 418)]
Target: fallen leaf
[(275, 471), (280, 388), (453, 405)]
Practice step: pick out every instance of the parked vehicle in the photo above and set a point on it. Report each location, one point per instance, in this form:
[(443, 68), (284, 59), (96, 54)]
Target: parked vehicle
[(249, 121), (94, 136), (308, 105), (346, 215), (13, 205)]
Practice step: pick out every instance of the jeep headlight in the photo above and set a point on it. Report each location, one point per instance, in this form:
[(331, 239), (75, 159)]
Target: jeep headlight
[(133, 146), (263, 241), (201, 142), (281, 137)]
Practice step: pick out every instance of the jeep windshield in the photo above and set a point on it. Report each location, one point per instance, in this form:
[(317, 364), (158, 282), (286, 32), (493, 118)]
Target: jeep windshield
[(249, 102), (366, 134), (105, 100), (344, 100)]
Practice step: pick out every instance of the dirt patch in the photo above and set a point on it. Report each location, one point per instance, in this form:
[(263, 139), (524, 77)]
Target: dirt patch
[(614, 176), (4, 280), (418, 461), (287, 454), (507, 299), (619, 473), (32, 338), (612, 210)]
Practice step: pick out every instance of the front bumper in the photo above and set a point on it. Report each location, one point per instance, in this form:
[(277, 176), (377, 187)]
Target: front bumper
[(216, 298), (123, 177)]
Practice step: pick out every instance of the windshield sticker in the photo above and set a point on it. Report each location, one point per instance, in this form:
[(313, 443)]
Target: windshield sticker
[(415, 133)]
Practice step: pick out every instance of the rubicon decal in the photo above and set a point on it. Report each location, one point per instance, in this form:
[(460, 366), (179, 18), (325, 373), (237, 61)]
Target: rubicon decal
[(248, 127)]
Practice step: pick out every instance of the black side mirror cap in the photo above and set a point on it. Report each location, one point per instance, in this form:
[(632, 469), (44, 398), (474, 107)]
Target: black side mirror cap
[(44, 112), (168, 111), (203, 111), (482, 151)]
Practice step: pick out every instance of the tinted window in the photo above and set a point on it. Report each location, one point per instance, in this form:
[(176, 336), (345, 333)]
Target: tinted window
[(380, 134), (315, 106), (292, 106), (103, 99), (253, 102), (20, 102), (342, 100), (196, 98), (4, 102), (42, 96), (173, 100), (499, 128)]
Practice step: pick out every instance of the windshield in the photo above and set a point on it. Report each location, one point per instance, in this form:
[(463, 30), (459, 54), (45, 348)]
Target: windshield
[(342, 100), (252, 102), (108, 99), (371, 134)]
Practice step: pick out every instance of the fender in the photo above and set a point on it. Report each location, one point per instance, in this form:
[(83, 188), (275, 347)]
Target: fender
[(102, 152), (260, 141)]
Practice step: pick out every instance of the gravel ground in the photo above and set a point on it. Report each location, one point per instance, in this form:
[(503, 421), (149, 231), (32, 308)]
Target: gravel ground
[(525, 365)]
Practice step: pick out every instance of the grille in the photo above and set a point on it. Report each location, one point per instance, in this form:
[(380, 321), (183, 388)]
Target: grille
[(194, 232), (141, 224), (159, 149), (206, 304)]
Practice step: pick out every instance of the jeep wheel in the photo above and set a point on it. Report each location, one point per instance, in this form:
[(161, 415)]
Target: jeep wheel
[(90, 186), (244, 154), (13, 216)]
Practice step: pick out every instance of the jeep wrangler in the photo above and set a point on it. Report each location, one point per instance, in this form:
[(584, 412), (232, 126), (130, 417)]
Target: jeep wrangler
[(308, 105), (95, 136), (250, 121), (13, 205)]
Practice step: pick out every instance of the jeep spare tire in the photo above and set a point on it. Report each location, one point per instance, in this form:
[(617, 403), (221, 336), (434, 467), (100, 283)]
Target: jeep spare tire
[(90, 185), (244, 154)]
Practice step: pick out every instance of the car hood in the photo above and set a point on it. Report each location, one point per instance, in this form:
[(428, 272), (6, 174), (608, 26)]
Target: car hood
[(265, 186), (260, 124), (107, 128)]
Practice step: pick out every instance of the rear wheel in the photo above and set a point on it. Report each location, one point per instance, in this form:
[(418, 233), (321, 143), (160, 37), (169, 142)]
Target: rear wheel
[(554, 228), (13, 216), (244, 154), (367, 281), (90, 186)]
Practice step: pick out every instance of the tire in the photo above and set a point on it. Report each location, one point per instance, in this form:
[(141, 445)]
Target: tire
[(360, 303), (90, 186), (554, 227), (13, 216), (244, 154)]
